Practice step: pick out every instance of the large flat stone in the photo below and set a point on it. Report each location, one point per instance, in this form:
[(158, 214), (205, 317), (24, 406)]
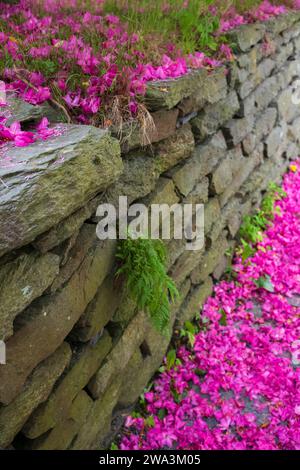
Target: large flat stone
[(204, 159), (195, 301), (247, 36), (215, 115), (120, 355), (168, 93), (99, 312), (62, 435), (21, 111), (35, 391), (46, 323), (47, 181), (57, 408), (22, 281)]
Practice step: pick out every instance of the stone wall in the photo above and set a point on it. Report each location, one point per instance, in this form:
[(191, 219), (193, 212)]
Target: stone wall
[(78, 350)]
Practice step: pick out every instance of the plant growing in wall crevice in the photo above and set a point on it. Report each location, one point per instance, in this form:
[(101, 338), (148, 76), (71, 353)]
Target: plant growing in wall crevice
[(251, 231), (143, 264)]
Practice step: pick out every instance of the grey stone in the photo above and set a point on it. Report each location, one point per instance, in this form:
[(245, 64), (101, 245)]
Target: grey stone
[(195, 301), (221, 177), (119, 356), (286, 51), (156, 127), (247, 106), (173, 150), (265, 123), (35, 391), (249, 144), (99, 312), (275, 142), (199, 195), (266, 93), (210, 260), (168, 93), (76, 378), (247, 36), (246, 166), (214, 116), (281, 23), (45, 323), (294, 130), (237, 129), (287, 105), (67, 228), (204, 159), (247, 87), (23, 112), (47, 181), (84, 242), (22, 281)]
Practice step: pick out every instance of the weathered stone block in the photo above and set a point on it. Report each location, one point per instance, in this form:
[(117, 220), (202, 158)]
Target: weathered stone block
[(265, 123), (276, 142), (24, 112), (164, 193), (246, 167), (98, 421), (168, 93), (120, 355), (99, 312), (67, 227), (62, 435), (247, 36), (204, 159), (249, 144), (212, 213), (162, 125), (176, 148), (46, 323), (22, 281), (221, 177), (47, 181), (287, 105), (199, 195), (214, 116), (84, 242), (286, 51), (195, 301), (281, 23), (266, 93), (210, 260), (247, 106), (237, 129), (184, 265), (59, 403), (35, 391)]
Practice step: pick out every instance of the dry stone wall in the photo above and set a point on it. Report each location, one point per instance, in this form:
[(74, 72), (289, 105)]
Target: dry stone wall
[(78, 350)]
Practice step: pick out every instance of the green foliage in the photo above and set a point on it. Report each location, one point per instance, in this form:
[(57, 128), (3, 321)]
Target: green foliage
[(143, 263), (189, 331), (251, 231), (190, 28), (223, 319), (265, 283)]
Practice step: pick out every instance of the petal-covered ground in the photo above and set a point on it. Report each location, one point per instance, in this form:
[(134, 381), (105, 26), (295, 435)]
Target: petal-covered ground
[(239, 386)]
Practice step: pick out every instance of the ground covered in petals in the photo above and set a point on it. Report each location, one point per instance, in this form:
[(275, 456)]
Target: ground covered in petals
[(238, 387)]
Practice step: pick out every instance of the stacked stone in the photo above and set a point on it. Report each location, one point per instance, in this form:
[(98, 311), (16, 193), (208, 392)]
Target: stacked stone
[(78, 350)]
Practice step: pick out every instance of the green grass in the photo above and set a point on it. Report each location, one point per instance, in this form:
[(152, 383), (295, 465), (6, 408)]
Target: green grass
[(191, 28)]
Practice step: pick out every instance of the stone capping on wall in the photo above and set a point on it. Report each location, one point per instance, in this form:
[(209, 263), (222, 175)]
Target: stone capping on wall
[(78, 350)]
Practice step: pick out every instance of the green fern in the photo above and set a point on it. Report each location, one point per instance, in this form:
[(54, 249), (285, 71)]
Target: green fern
[(143, 263)]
